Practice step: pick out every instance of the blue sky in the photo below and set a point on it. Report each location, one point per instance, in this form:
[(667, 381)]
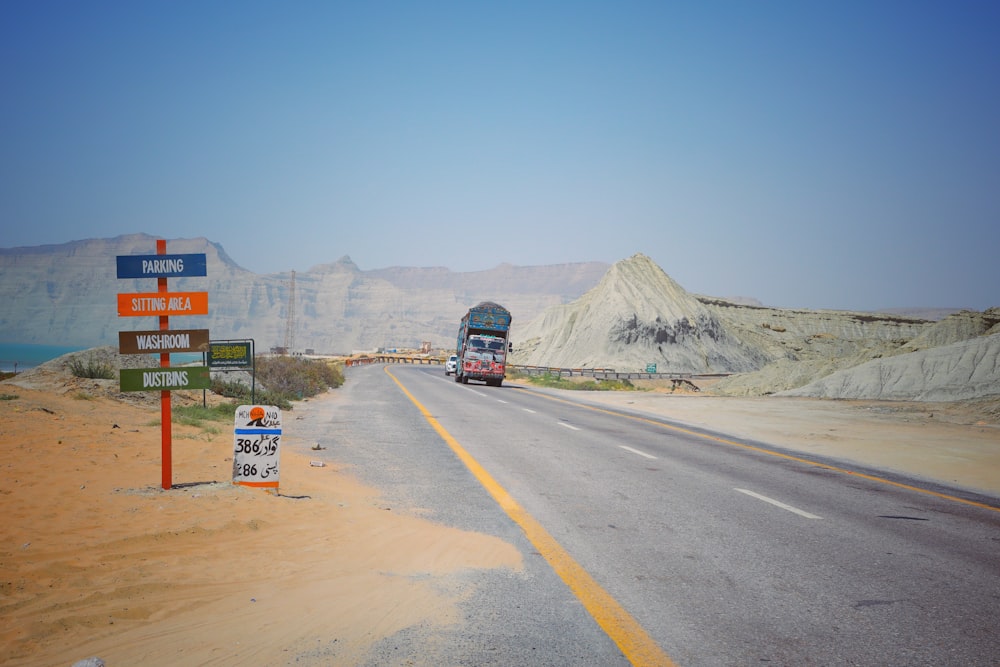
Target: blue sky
[(809, 154)]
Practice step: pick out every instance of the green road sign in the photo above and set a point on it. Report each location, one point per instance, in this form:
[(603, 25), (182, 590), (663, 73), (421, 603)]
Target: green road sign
[(165, 379), (650, 368), (230, 354)]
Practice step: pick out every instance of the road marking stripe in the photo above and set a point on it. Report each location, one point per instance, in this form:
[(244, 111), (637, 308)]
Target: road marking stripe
[(636, 451), (529, 410), (780, 504), (569, 426), (761, 450), (630, 637)]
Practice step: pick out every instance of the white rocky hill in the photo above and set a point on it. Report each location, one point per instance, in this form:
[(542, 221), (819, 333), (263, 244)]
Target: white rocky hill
[(955, 328), (635, 316), (819, 356), (968, 369), (638, 315)]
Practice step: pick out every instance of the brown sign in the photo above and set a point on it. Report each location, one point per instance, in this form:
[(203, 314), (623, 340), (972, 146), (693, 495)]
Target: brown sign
[(154, 342)]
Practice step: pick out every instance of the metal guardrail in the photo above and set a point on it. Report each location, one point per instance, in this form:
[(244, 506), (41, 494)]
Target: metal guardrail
[(610, 373), (596, 373), (392, 359)]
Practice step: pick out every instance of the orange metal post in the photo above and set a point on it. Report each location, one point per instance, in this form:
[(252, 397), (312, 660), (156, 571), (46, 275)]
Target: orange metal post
[(165, 416)]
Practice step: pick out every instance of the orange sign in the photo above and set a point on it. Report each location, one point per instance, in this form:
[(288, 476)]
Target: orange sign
[(162, 303)]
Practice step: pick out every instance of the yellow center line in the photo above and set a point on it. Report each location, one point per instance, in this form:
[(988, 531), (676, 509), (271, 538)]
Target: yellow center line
[(743, 445), (638, 647)]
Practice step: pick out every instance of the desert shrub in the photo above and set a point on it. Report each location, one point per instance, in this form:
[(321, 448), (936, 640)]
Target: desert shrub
[(242, 395), (197, 415), (557, 382), (9, 397), (605, 385), (297, 377), (286, 379), (91, 368)]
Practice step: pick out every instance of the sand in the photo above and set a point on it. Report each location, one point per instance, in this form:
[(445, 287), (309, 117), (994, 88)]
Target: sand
[(98, 560)]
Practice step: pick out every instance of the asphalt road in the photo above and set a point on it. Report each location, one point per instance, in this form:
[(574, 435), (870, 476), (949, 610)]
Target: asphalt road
[(710, 552)]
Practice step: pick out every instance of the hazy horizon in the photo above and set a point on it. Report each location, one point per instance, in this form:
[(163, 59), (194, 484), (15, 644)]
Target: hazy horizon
[(933, 309)]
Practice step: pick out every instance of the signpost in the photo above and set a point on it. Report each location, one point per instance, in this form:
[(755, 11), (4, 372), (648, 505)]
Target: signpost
[(256, 446), (162, 304)]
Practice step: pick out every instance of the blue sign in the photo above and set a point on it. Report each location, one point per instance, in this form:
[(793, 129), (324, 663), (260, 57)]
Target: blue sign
[(162, 266)]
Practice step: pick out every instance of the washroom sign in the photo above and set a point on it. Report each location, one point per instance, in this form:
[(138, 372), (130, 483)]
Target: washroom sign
[(162, 304)]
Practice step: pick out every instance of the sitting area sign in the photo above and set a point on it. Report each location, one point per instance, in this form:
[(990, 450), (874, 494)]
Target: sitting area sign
[(257, 446)]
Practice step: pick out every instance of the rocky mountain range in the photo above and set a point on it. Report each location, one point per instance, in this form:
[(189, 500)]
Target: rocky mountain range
[(66, 295), (623, 316)]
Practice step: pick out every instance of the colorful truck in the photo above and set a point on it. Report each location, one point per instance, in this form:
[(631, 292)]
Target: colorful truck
[(483, 343)]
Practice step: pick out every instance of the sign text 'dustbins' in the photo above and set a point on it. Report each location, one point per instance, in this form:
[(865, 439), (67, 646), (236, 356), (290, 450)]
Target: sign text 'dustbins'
[(164, 379)]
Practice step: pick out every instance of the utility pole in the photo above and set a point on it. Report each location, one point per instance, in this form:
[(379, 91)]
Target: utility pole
[(290, 320)]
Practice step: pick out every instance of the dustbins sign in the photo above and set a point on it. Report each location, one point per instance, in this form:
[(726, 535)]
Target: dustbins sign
[(257, 446)]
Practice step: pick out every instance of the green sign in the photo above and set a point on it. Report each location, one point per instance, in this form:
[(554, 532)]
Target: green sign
[(165, 379), (230, 354), (650, 368)]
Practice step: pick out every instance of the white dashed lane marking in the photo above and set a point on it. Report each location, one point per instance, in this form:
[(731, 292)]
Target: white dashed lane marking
[(780, 504), (636, 451)]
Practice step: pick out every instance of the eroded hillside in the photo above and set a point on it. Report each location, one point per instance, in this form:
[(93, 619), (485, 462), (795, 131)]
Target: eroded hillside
[(638, 315)]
